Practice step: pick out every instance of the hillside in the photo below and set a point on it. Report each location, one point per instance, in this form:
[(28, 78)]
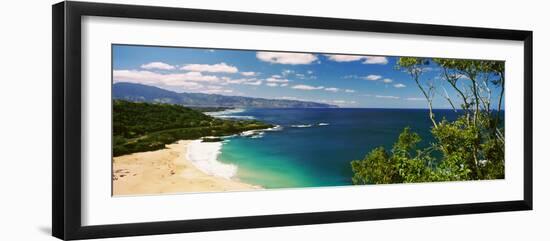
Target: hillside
[(145, 93), (139, 127)]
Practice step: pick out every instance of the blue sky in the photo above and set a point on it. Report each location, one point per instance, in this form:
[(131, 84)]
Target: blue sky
[(344, 80)]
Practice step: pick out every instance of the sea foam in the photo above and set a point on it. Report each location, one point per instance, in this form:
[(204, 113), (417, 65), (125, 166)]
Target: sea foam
[(224, 112), (248, 133), (301, 126), (239, 117), (229, 114), (275, 128), (204, 156), (258, 135)]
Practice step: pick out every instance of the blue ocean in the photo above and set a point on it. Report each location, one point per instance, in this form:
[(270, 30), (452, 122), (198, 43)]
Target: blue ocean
[(314, 147)]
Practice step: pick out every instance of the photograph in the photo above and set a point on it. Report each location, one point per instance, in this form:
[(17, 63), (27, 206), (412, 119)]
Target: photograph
[(188, 120)]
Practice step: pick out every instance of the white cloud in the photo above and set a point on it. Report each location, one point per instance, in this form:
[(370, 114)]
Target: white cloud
[(351, 58), (284, 85), (272, 84), (214, 68), (375, 60), (276, 76), (257, 82), (307, 87), (287, 72), (173, 79), (291, 98), (217, 91), (387, 96), (337, 102), (187, 82), (343, 58), (343, 102), (305, 76), (399, 85), (187, 85), (415, 98), (249, 73), (332, 89), (227, 80), (349, 91), (372, 77), (244, 81), (351, 76), (158, 65), (276, 80), (286, 58), (214, 87)]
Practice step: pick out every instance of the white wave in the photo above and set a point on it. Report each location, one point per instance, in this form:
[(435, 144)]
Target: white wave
[(248, 133), (224, 112), (301, 126), (258, 135), (323, 124), (229, 136), (275, 128), (245, 117), (204, 156)]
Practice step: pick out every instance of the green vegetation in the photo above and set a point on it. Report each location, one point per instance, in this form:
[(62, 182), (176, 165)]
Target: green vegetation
[(139, 127), (212, 139), (469, 148)]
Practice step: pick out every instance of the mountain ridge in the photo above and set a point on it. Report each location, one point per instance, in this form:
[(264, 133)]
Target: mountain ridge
[(152, 94)]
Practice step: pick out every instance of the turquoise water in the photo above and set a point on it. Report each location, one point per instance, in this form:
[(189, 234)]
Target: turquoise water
[(319, 155)]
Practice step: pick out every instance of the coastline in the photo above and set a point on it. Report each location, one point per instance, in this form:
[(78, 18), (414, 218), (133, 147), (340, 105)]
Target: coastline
[(171, 170)]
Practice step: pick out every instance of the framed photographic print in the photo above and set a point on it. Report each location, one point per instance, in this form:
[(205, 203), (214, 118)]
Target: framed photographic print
[(170, 120)]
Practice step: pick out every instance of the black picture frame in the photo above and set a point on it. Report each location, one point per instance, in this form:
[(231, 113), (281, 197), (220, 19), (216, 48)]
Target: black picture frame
[(66, 158)]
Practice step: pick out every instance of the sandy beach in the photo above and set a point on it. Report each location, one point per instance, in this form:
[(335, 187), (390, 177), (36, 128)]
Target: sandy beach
[(166, 171)]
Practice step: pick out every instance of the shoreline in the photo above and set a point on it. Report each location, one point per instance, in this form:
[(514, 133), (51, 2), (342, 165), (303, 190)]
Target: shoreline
[(204, 156), (170, 170), (229, 114)]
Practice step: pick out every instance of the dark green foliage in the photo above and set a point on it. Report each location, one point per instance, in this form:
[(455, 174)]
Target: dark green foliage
[(132, 119), (376, 168), (212, 139), (139, 127), (403, 164), (460, 152)]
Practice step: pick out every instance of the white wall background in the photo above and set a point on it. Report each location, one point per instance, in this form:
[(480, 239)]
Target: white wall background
[(25, 122)]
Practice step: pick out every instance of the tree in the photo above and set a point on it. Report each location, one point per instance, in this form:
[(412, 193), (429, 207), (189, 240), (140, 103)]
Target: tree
[(403, 164), (416, 67), (481, 74), (468, 148), (139, 127)]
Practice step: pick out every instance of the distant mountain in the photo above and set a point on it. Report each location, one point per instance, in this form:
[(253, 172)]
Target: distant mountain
[(146, 93)]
